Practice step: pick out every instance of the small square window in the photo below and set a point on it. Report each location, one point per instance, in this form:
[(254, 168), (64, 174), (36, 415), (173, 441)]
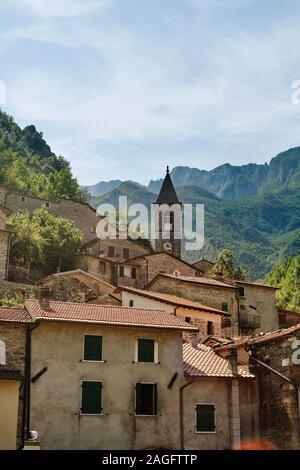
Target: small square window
[(225, 307), (131, 303), (210, 328), (92, 348), (121, 271), (23, 198), (125, 253), (241, 292), (146, 399), (91, 398), (133, 273), (205, 418), (146, 350), (187, 319), (111, 251)]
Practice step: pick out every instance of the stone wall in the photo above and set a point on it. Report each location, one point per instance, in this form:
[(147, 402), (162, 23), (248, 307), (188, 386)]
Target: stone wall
[(81, 214), (279, 407), (13, 289), (115, 249), (99, 267), (209, 295), (4, 245)]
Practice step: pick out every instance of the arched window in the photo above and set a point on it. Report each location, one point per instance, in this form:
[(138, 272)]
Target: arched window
[(2, 353)]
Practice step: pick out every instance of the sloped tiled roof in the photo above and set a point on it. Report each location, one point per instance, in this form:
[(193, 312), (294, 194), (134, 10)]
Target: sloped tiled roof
[(205, 362), (175, 300), (197, 280), (106, 315), (10, 314)]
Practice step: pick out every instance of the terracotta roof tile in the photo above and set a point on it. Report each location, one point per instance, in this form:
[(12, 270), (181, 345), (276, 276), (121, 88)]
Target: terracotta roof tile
[(205, 362), (173, 299), (10, 314), (106, 315)]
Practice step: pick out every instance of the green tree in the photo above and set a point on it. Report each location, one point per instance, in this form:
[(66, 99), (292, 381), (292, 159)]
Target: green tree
[(286, 276), (226, 265), (44, 241)]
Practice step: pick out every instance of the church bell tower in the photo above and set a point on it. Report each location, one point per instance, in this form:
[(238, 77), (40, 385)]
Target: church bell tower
[(168, 219)]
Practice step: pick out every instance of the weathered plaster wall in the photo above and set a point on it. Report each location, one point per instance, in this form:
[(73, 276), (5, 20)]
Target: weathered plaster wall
[(55, 397)]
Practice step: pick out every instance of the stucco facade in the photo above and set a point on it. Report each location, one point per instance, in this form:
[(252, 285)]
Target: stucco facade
[(59, 389), (9, 402)]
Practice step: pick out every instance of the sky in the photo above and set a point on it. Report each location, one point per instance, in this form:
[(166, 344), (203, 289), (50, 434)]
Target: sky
[(122, 88)]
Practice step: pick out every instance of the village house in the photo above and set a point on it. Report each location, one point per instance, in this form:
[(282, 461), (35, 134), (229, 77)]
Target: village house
[(288, 318), (203, 265), (79, 286), (81, 214), (207, 319), (252, 306), (14, 323), (115, 249), (121, 378)]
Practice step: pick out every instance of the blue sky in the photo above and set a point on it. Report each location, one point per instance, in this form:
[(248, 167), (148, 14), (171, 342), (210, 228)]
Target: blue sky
[(124, 87)]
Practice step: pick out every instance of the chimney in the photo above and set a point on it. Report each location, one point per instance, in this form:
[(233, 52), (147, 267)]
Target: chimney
[(226, 326), (233, 359), (44, 297), (193, 340), (219, 275)]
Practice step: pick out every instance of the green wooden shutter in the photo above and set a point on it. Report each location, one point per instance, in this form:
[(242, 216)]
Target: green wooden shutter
[(146, 399), (225, 307), (205, 418), (91, 398), (146, 350), (92, 348)]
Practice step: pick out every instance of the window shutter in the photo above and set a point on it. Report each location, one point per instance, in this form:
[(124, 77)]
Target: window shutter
[(225, 307), (91, 398), (205, 418), (146, 350), (92, 348), (138, 399)]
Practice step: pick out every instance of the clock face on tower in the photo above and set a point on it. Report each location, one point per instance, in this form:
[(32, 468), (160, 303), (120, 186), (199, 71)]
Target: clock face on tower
[(168, 247)]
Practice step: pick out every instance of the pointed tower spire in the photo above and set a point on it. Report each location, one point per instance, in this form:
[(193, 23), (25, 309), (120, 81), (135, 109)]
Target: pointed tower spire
[(167, 193)]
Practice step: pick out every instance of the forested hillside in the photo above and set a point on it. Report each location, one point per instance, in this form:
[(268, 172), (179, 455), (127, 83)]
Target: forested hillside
[(28, 165)]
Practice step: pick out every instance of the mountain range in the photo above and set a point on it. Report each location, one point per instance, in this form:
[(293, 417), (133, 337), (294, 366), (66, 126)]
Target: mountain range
[(253, 210)]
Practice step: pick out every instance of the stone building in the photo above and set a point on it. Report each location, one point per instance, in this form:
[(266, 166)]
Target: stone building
[(252, 306), (168, 219), (208, 320), (79, 286), (139, 271), (5, 236), (115, 249), (13, 327), (203, 265), (102, 268), (81, 214)]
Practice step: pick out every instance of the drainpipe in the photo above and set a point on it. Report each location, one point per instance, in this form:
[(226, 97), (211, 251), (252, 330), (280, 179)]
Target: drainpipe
[(181, 413), (26, 403), (276, 372)]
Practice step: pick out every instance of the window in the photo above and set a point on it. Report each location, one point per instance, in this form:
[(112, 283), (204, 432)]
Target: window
[(187, 319), (111, 251), (146, 399), (225, 307), (121, 272), (205, 418), (2, 353), (131, 303), (125, 253), (91, 398), (23, 198), (92, 348), (47, 205), (241, 292), (146, 350), (210, 328), (133, 273)]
